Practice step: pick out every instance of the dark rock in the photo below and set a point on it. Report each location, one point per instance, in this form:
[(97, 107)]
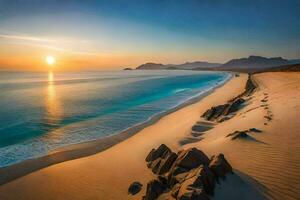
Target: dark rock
[(189, 174), (219, 166), (231, 134), (179, 178), (154, 189), (198, 178), (239, 134), (149, 156), (178, 170), (205, 179), (167, 163), (209, 113), (160, 152), (255, 130), (234, 106), (224, 119), (215, 112), (250, 86), (163, 180), (127, 68), (219, 110), (191, 158), (155, 165), (134, 188)]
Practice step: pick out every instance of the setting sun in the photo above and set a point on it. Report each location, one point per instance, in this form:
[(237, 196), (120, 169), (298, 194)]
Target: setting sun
[(50, 60)]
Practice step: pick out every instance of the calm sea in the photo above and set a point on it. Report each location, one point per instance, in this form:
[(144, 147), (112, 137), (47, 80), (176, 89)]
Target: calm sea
[(40, 112)]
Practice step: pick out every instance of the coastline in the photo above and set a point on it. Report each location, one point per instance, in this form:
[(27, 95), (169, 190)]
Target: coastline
[(80, 150), (262, 157)]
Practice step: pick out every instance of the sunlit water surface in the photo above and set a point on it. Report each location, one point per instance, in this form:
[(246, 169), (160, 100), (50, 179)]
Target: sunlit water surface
[(40, 112)]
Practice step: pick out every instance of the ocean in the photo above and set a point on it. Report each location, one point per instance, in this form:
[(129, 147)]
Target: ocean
[(40, 112)]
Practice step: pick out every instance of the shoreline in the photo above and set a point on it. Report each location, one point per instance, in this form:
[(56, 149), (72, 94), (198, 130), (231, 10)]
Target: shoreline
[(84, 149), (260, 157)]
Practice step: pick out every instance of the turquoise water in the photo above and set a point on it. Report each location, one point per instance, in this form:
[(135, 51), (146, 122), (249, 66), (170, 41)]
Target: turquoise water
[(43, 111)]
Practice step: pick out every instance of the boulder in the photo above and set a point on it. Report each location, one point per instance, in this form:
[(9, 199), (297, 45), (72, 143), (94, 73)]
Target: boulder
[(155, 165), (178, 170), (206, 178), (160, 152), (201, 177), (167, 163), (175, 179), (191, 158), (154, 189), (219, 166), (187, 175), (134, 188)]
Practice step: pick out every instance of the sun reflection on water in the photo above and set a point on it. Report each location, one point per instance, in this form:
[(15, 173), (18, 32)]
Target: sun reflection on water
[(53, 108)]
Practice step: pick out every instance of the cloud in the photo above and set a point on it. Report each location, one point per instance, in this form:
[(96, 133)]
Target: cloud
[(45, 43), (25, 38)]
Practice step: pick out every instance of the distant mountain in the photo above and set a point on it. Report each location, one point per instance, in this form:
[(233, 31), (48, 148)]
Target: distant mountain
[(152, 66), (253, 62), (197, 64), (127, 68), (250, 65), (185, 66), (294, 61)]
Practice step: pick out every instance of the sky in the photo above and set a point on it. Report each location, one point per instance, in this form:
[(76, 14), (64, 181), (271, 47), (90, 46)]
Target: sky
[(109, 35)]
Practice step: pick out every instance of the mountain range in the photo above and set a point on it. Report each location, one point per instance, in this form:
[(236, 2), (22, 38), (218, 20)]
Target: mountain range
[(187, 65), (252, 63)]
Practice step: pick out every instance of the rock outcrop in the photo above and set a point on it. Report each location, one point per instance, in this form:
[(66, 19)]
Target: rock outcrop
[(186, 175), (238, 134), (219, 111), (134, 188), (154, 189), (223, 112), (219, 166)]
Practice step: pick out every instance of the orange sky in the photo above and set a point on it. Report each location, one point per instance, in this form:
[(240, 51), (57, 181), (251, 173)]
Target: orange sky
[(28, 53)]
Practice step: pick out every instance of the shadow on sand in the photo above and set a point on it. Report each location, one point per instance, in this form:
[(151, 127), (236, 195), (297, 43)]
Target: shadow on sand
[(240, 186)]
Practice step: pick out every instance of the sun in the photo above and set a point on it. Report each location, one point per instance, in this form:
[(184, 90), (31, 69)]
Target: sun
[(50, 60)]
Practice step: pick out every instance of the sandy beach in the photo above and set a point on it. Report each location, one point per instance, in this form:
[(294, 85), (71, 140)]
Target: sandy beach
[(265, 162)]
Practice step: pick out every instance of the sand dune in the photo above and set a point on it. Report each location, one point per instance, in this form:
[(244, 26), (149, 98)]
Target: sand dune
[(269, 159)]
